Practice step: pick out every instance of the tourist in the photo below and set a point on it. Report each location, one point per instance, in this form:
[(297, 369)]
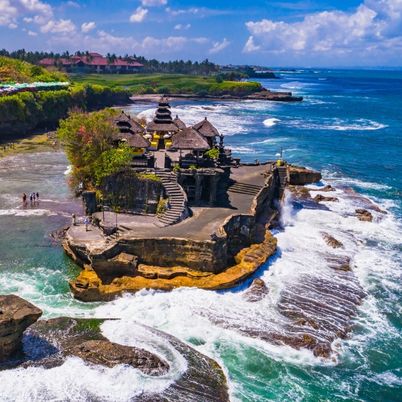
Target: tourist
[(37, 196), (86, 221), (30, 198), (24, 199), (74, 220)]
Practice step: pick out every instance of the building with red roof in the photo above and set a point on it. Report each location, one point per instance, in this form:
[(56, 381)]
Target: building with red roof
[(95, 63)]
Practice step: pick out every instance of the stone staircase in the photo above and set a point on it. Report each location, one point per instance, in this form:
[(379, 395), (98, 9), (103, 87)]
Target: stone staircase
[(283, 176), (177, 199), (244, 188)]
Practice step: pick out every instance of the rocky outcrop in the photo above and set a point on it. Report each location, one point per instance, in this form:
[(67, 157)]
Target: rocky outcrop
[(49, 342), (321, 198), (326, 188), (256, 292), (364, 215), (16, 315), (106, 353), (302, 176), (89, 287)]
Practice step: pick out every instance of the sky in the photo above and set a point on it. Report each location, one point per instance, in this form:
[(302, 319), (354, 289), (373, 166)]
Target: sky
[(310, 33)]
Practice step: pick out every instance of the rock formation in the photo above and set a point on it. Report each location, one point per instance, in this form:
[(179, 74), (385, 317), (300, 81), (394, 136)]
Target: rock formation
[(49, 342), (331, 241), (320, 198), (257, 291), (364, 215), (16, 315), (302, 176)]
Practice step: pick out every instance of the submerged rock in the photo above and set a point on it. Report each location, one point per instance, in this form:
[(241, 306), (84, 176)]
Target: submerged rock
[(364, 215), (331, 241), (257, 291), (320, 198), (16, 315), (326, 188)]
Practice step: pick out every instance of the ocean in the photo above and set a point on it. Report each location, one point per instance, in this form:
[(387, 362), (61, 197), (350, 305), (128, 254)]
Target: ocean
[(349, 126)]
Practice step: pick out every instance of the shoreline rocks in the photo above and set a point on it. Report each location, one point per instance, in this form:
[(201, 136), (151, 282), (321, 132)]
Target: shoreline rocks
[(48, 343), (300, 176), (256, 292), (16, 315)]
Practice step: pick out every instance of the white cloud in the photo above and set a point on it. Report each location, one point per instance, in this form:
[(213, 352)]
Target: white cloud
[(58, 26), (88, 26), (12, 10), (139, 15), (104, 42), (32, 33), (375, 26), (219, 46), (198, 12), (73, 4), (182, 27), (153, 3)]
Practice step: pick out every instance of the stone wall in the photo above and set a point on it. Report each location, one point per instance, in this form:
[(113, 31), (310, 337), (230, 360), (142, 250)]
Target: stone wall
[(131, 193), (207, 256)]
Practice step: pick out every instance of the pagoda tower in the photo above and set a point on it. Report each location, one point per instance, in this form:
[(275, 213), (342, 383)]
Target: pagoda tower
[(162, 127)]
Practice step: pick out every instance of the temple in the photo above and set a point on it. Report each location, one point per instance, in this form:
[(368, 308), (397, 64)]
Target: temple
[(184, 213), (195, 154)]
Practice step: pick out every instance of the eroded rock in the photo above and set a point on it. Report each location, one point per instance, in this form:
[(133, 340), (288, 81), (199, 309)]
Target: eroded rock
[(320, 198), (364, 215), (16, 315), (257, 291), (301, 176), (110, 354), (331, 241)]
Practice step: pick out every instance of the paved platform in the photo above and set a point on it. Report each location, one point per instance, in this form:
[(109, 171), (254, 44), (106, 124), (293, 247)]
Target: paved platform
[(203, 223)]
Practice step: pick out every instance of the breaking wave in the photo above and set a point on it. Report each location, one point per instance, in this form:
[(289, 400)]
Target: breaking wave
[(270, 122)]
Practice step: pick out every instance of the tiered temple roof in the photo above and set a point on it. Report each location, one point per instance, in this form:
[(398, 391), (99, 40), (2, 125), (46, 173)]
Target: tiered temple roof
[(162, 121)]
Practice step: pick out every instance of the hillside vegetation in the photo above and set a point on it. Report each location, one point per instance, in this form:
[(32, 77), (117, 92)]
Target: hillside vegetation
[(12, 70), (169, 84)]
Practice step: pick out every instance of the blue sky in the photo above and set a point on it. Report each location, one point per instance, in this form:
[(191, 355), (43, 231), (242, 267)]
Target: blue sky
[(266, 32)]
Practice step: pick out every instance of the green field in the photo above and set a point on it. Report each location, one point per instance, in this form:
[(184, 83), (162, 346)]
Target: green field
[(168, 83)]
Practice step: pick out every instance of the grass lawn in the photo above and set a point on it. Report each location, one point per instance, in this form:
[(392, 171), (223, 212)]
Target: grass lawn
[(167, 83)]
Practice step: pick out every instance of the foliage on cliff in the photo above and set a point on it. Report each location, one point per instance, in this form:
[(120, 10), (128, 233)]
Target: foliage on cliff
[(12, 70), (87, 139), (170, 84), (26, 111)]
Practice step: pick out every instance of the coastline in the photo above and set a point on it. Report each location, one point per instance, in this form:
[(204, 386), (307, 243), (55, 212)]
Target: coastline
[(265, 95)]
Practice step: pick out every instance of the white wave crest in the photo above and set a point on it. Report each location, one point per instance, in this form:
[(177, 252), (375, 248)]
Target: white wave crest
[(270, 122)]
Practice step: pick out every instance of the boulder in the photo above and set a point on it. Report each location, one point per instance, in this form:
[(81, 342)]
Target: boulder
[(364, 215), (257, 291), (16, 315), (302, 176)]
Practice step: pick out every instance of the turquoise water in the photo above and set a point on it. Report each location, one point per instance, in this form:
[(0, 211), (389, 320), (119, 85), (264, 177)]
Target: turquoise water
[(350, 127)]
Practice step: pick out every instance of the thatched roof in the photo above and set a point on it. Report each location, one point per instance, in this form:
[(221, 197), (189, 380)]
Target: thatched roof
[(137, 141), (179, 123), (136, 127), (189, 139), (206, 128), (123, 119), (162, 127)]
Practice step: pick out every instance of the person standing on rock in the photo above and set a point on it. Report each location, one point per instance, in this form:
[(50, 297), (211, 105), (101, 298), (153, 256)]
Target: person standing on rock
[(24, 199)]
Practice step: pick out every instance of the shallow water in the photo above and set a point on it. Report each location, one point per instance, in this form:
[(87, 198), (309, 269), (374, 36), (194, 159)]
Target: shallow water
[(349, 126)]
